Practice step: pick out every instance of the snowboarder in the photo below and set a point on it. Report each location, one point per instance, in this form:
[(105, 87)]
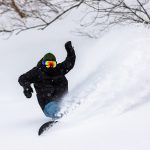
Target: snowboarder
[(49, 81)]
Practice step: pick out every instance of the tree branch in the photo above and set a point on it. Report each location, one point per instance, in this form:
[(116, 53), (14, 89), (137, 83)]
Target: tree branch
[(17, 9), (148, 16)]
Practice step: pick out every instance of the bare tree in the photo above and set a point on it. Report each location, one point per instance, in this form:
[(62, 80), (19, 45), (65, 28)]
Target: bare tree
[(107, 13), (21, 15)]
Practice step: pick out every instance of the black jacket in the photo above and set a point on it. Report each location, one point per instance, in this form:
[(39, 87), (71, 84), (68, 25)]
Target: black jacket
[(50, 84)]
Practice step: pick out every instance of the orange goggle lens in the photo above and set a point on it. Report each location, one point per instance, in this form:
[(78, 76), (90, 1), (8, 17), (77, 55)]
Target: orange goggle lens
[(50, 64)]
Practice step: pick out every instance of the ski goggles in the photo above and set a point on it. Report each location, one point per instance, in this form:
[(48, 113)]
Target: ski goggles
[(49, 64)]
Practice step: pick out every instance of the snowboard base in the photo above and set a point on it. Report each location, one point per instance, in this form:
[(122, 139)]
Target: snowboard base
[(46, 126)]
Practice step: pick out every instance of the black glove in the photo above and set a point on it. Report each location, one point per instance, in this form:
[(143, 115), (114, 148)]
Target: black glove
[(68, 45), (28, 91)]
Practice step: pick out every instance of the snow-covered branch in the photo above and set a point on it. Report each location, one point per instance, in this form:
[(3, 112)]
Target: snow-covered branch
[(17, 16)]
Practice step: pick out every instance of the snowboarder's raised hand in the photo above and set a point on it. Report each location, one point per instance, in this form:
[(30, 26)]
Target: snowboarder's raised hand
[(28, 91), (68, 46)]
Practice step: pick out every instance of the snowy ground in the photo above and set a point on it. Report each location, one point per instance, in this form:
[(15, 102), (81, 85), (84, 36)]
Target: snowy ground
[(110, 81)]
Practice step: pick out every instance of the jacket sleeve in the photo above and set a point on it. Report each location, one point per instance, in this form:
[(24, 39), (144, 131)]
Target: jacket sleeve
[(26, 79), (69, 62)]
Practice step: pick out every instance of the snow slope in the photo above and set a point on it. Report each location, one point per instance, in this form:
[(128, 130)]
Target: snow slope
[(108, 102)]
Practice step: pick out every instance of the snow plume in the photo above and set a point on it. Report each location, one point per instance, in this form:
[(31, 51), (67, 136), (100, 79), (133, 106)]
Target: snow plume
[(120, 83)]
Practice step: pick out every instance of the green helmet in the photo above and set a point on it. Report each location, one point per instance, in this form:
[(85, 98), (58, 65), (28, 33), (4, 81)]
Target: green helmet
[(50, 57)]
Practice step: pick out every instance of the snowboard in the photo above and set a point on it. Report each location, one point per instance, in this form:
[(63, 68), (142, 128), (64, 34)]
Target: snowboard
[(46, 126)]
